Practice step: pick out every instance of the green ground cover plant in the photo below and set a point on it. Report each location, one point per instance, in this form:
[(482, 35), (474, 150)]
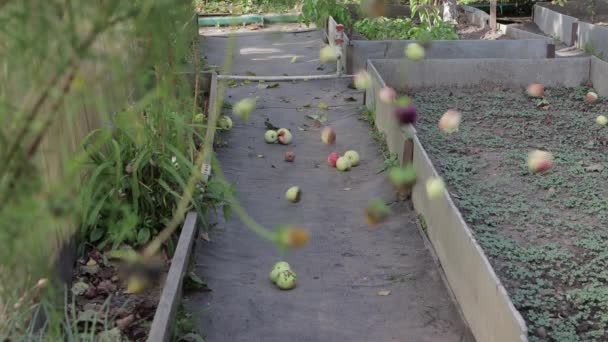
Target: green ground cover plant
[(544, 233)]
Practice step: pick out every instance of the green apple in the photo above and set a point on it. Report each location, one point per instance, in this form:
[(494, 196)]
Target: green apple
[(278, 268), (271, 136), (343, 164), (353, 157)]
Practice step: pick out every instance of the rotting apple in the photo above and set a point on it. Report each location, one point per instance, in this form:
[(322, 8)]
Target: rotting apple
[(271, 136), (284, 136), (289, 156), (286, 280), (293, 194), (328, 135), (353, 157), (278, 268)]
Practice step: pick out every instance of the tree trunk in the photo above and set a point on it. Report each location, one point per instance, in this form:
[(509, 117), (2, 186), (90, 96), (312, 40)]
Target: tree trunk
[(450, 11)]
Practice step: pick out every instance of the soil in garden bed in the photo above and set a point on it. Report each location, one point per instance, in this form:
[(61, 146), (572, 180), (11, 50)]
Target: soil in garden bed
[(355, 282), (546, 234), (583, 10), (100, 295)]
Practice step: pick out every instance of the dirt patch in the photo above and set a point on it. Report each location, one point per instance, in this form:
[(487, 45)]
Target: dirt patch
[(469, 31), (546, 234), (101, 298), (591, 11)]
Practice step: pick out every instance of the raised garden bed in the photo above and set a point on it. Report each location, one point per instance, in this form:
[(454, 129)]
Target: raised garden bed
[(573, 25), (543, 233), (522, 44)]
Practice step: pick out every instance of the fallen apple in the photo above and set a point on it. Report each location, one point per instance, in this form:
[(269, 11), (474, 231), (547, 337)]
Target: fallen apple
[(601, 120), (536, 90), (289, 156), (343, 164), (293, 194), (328, 135), (539, 161), (387, 95), (271, 136), (353, 157), (591, 97), (435, 187), (402, 176), (406, 115), (199, 118), (328, 54), (284, 136), (224, 123), (376, 212), (286, 280), (450, 121), (414, 51), (362, 80), (290, 236), (243, 108), (278, 268), (332, 158)]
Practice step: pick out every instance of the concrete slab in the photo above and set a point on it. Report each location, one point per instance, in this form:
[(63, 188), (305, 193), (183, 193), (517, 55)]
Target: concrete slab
[(268, 53), (346, 264)]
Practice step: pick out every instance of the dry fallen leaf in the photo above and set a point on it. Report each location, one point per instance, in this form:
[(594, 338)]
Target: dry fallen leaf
[(384, 292), (594, 167), (205, 236), (346, 189)]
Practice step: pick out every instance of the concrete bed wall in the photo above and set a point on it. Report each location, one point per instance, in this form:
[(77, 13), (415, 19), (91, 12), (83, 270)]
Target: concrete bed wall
[(585, 34), (462, 72), (554, 24), (482, 298), (594, 37), (362, 50), (599, 76)]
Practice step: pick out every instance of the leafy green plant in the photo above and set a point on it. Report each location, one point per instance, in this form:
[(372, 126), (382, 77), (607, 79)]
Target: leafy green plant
[(138, 176), (244, 6), (404, 28), (317, 11)]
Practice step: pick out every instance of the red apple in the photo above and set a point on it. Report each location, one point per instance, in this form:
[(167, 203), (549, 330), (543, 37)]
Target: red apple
[(536, 90), (539, 161), (591, 97), (290, 156), (332, 158)]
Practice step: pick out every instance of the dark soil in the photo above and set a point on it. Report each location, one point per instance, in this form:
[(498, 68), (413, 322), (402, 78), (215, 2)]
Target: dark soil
[(546, 234), (584, 10), (105, 298)]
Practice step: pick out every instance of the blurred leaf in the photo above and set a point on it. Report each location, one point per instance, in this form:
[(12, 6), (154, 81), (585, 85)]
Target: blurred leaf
[(143, 236)]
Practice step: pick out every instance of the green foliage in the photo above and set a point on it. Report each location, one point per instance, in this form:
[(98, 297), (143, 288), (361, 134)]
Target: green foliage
[(545, 234), (137, 177), (403, 28), (244, 6), (317, 11)]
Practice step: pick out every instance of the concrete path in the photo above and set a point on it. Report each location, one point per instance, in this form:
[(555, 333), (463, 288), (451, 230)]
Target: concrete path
[(347, 263)]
